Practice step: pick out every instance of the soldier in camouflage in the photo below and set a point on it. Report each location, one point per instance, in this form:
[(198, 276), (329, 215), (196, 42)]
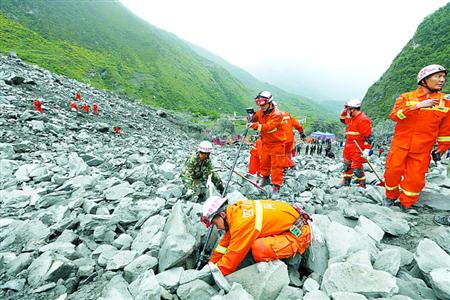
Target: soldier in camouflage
[(196, 171)]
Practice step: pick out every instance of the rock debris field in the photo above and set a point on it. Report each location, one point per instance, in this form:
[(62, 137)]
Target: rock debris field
[(86, 214)]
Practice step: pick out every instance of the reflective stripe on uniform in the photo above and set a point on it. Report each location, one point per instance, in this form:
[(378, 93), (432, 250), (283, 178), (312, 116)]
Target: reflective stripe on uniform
[(343, 117), (411, 194), (348, 175), (253, 147), (411, 103), (391, 188), (443, 139), (401, 115), (286, 118), (437, 108), (361, 178), (221, 249), (272, 131), (352, 132), (259, 215)]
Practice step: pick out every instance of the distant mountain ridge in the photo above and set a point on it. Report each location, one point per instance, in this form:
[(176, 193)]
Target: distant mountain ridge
[(104, 44), (429, 45)]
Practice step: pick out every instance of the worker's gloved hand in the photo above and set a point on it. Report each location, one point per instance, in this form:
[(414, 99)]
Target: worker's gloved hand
[(250, 118), (189, 192), (303, 136), (427, 103), (365, 153), (436, 155), (253, 125)]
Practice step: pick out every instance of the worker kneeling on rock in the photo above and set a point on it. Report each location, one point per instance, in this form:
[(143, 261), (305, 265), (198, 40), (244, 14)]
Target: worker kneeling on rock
[(270, 229)]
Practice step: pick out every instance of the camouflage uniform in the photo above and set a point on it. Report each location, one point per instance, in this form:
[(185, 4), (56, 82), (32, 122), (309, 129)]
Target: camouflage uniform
[(195, 174)]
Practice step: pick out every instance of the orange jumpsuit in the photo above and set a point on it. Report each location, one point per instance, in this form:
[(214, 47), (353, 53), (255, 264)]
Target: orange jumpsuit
[(416, 131), (38, 105), (85, 108), (273, 137), (291, 123), (262, 226), (255, 157), (358, 128)]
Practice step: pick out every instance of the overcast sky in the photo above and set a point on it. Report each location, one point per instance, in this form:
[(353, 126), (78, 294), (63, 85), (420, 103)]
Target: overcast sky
[(333, 48)]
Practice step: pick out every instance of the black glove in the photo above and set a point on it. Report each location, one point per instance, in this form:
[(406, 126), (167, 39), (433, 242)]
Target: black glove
[(303, 135), (436, 155)]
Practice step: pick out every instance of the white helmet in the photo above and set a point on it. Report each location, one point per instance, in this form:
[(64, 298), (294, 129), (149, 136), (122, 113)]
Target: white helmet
[(430, 70), (211, 208), (263, 97), (355, 103), (205, 147)]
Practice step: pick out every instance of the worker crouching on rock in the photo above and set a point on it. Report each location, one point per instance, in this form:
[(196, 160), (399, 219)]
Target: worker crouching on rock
[(196, 171), (270, 229)]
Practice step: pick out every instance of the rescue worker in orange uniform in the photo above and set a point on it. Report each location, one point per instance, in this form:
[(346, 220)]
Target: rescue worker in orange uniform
[(38, 105), (73, 106), (255, 158), (291, 123), (77, 96), (270, 229), (422, 118), (359, 129), (85, 107), (95, 108), (269, 121), (118, 131)]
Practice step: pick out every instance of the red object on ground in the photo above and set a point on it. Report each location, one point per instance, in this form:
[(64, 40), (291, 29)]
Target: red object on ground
[(117, 130), (38, 105), (77, 96), (95, 108), (73, 106), (85, 108)]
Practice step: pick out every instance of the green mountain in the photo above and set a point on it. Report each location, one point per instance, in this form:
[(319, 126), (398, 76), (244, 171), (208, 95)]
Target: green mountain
[(298, 105), (429, 45), (105, 45)]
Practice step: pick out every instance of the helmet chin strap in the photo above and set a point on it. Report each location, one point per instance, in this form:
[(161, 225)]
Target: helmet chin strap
[(425, 84), (269, 109)]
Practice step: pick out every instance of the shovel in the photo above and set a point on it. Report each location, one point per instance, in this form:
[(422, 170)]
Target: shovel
[(381, 183), (256, 185)]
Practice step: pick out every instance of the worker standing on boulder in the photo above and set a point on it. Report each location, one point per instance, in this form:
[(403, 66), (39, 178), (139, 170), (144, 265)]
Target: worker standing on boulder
[(359, 130), (95, 108), (291, 123), (197, 169), (269, 121), (254, 166), (270, 229), (38, 105), (422, 117)]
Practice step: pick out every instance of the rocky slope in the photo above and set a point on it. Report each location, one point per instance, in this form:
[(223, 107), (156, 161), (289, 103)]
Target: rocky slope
[(85, 214)]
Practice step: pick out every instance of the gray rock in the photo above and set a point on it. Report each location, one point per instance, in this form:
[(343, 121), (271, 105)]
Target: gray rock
[(6, 151), (76, 165), (430, 256), (317, 254), (20, 263), (290, 293), (145, 287), (138, 266), (440, 281), (37, 125), (119, 191), (236, 292), (441, 235), (263, 280), (370, 228), (310, 285), (44, 287), (406, 257), (347, 296), (196, 290), (388, 260), (121, 259), (356, 278), (139, 173), (15, 285), (148, 235), (175, 249), (170, 191), (383, 217), (170, 279), (123, 241), (64, 248), (316, 295), (116, 289), (167, 170), (414, 287)]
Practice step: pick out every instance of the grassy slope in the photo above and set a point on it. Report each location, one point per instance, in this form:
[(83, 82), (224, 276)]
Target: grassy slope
[(430, 45), (104, 44)]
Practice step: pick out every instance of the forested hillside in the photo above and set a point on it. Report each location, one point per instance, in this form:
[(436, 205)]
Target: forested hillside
[(102, 43), (430, 45)]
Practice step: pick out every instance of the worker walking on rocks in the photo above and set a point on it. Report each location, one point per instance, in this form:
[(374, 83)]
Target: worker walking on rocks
[(95, 108), (359, 129), (73, 106), (85, 107), (197, 169), (38, 105), (422, 117), (291, 123), (255, 158), (77, 96), (270, 229), (269, 121), (118, 131)]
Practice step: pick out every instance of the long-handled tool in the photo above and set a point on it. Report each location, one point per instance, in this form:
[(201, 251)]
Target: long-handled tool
[(381, 183), (254, 183), (202, 256)]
